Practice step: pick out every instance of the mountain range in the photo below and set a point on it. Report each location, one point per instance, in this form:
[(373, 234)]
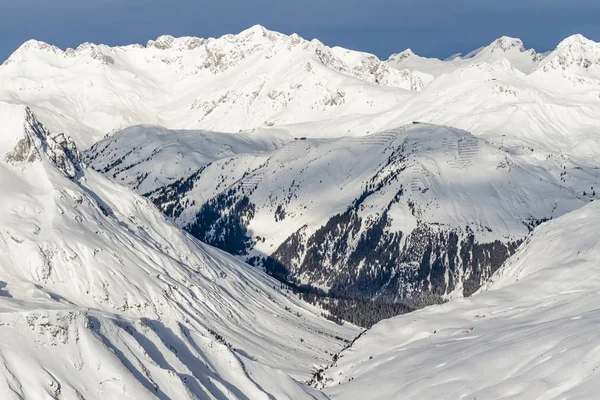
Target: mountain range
[(221, 218)]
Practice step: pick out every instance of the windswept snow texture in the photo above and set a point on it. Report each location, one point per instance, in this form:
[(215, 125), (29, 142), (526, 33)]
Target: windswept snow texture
[(530, 333), (149, 157), (102, 298)]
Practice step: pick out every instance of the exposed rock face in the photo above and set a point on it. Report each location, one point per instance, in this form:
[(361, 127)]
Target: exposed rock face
[(356, 257), (381, 265), (36, 140)]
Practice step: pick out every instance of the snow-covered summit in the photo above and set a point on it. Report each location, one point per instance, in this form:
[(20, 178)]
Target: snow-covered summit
[(511, 49), (576, 41), (29, 50), (575, 53), (403, 55), (503, 44), (506, 43)]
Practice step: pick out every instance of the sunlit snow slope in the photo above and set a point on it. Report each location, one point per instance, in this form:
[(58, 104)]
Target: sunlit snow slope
[(531, 333), (101, 297)]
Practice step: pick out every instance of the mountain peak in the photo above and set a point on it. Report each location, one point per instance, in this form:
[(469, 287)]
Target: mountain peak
[(26, 140), (41, 51), (30, 46), (162, 42), (403, 55), (576, 50), (576, 40), (506, 43), (261, 34), (256, 30), (37, 45)]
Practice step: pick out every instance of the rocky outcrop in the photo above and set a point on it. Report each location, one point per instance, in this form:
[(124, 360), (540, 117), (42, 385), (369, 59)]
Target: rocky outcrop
[(38, 141)]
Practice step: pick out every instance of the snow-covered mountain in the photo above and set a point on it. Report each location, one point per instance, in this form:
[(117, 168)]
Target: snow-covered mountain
[(236, 82), (537, 111), (531, 332), (417, 209), (576, 55), (260, 79), (505, 48), (371, 179), (102, 297)]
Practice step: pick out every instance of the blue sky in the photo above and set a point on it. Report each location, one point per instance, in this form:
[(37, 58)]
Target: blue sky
[(436, 28)]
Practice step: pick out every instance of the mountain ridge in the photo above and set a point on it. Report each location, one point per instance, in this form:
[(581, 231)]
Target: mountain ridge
[(101, 296), (366, 188), (287, 208), (214, 84)]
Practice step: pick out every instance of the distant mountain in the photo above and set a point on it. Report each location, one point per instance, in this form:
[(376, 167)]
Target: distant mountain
[(510, 49), (263, 80), (257, 78), (485, 93), (576, 58)]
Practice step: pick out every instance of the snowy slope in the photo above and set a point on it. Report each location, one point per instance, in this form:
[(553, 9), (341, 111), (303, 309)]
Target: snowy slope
[(146, 157), (102, 297), (413, 193), (530, 333)]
